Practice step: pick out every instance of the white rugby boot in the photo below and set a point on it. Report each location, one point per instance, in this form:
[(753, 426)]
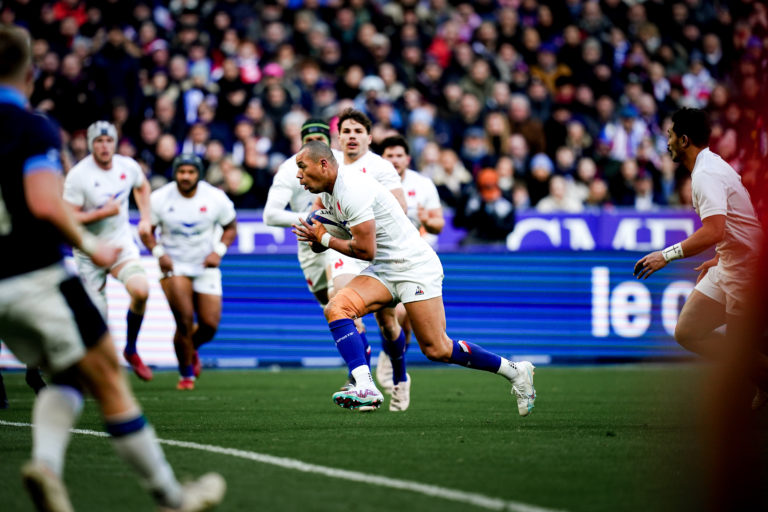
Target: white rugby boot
[(199, 495), (45, 488), (360, 398), (522, 387), (384, 373), (401, 395)]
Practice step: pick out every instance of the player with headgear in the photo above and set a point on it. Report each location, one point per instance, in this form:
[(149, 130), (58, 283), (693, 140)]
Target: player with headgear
[(187, 215), (98, 187), (48, 319)]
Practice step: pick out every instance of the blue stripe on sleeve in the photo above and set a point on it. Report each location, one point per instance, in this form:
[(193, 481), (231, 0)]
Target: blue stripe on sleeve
[(48, 162)]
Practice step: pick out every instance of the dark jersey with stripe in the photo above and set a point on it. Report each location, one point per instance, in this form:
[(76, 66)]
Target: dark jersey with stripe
[(28, 143)]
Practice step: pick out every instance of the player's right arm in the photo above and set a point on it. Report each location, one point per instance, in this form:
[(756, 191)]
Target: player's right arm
[(148, 237), (43, 193), (74, 195)]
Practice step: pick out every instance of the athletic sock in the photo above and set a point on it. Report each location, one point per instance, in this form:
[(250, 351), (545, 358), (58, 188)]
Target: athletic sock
[(508, 369), (134, 324), (367, 348), (348, 343), (187, 371), (474, 356), (135, 442), (395, 349), (55, 411), (34, 380)]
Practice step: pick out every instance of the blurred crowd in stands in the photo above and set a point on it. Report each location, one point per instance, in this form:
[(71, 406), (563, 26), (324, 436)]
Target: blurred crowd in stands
[(556, 105)]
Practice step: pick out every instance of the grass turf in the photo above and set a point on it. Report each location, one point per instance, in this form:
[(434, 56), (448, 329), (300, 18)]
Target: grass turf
[(600, 439)]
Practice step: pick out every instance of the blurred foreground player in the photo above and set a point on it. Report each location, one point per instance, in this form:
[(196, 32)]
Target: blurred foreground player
[(46, 316), (188, 213), (730, 224), (403, 268), (98, 187)]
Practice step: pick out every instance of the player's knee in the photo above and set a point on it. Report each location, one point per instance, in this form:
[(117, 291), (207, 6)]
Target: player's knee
[(685, 335), (347, 303), (437, 352), (205, 333)]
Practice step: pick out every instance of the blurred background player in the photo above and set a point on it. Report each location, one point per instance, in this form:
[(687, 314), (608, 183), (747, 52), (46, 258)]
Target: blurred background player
[(47, 318), (404, 268), (355, 141), (98, 187), (286, 191), (189, 212), (426, 214), (729, 223)]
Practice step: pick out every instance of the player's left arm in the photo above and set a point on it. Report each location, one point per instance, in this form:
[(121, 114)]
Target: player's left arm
[(220, 247), (711, 232), (432, 219), (141, 195)]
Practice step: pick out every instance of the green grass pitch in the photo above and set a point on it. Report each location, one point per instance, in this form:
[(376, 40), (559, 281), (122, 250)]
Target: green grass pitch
[(600, 439)]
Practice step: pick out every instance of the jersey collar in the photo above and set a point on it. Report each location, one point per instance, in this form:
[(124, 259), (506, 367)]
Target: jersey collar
[(12, 96)]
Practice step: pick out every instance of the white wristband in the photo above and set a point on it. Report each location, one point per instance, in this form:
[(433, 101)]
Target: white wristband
[(673, 252), (89, 244), (158, 251), (220, 248), (325, 240)]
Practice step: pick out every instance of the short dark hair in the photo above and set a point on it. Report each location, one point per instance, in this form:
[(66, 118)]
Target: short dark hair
[(693, 123), (316, 151), (15, 52), (394, 141), (355, 115)]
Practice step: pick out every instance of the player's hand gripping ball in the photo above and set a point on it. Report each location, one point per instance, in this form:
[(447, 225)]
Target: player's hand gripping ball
[(330, 222)]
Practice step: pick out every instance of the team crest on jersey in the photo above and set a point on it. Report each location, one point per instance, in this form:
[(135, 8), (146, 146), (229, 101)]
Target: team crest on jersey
[(419, 290), (203, 209), (411, 193), (122, 176), (363, 170), (338, 205), (339, 263)]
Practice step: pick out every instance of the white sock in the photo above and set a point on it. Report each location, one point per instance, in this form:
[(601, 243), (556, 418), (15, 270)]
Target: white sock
[(55, 411), (507, 369), (362, 376), (142, 451)]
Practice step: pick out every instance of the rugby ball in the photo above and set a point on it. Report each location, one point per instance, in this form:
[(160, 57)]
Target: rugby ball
[(331, 224)]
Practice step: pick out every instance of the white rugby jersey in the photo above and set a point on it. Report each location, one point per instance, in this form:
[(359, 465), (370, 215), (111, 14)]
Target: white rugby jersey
[(188, 225), (376, 167), (717, 190), (357, 198), (89, 186), (286, 190), (420, 191)]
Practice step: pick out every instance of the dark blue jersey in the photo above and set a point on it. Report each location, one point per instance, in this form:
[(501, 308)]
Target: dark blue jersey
[(28, 144)]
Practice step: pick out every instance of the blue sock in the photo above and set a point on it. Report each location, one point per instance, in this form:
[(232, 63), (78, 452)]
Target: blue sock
[(348, 342), (126, 427), (134, 324), (187, 371), (395, 349), (367, 348), (474, 356)]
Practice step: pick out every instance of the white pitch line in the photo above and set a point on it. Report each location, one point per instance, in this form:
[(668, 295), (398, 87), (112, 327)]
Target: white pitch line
[(478, 500)]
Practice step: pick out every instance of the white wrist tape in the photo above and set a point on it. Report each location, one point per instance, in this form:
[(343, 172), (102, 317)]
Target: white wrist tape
[(89, 244), (325, 240), (220, 248), (158, 251), (673, 252)]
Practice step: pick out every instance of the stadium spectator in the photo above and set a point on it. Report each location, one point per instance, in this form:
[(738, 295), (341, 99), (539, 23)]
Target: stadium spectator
[(484, 212), (561, 198), (189, 261)]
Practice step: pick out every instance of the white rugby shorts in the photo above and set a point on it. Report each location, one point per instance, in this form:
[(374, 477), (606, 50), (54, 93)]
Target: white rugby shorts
[(205, 280), (341, 264), (720, 287), (409, 283), (313, 267)]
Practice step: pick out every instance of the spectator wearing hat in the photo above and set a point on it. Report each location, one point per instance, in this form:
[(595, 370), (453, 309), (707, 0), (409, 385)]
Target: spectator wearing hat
[(484, 212), (538, 177), (626, 134)]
